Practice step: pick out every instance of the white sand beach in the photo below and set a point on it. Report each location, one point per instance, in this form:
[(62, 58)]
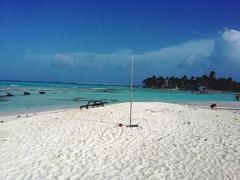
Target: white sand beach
[(171, 142)]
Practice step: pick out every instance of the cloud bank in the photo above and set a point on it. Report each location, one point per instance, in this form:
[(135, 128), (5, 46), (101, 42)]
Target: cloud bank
[(226, 54), (193, 57), (187, 58)]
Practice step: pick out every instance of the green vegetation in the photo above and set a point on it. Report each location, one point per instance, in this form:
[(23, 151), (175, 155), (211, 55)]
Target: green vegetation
[(209, 81)]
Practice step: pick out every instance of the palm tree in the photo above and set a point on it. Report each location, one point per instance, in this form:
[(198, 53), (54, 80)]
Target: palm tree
[(212, 75), (161, 82), (212, 80)]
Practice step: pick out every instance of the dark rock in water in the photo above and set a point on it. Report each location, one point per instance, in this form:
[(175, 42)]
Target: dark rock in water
[(42, 92), (3, 97), (78, 99), (9, 94), (26, 93)]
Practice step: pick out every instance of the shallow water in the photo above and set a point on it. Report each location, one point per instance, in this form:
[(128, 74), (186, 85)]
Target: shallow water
[(60, 95)]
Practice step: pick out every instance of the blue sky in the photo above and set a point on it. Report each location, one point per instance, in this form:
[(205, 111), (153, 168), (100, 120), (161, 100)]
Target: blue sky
[(92, 41)]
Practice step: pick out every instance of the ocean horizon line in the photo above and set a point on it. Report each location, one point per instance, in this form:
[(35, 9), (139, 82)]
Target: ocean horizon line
[(59, 82)]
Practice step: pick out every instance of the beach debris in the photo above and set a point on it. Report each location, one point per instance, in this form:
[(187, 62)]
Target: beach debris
[(1, 121), (42, 92), (205, 139), (28, 115), (131, 125), (213, 106), (188, 122), (9, 94), (3, 139), (92, 104), (26, 93), (120, 125), (152, 111)]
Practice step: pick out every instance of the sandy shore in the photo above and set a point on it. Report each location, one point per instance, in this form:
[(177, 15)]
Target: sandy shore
[(172, 142), (220, 105)]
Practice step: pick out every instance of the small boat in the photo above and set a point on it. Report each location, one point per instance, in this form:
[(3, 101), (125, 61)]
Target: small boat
[(42, 92), (9, 94), (26, 93)]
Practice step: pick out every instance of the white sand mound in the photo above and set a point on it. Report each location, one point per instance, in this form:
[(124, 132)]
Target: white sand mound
[(172, 142)]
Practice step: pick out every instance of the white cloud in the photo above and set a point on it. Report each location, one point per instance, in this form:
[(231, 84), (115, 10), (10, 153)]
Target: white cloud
[(180, 58), (232, 42), (172, 60), (226, 55), (193, 57), (90, 60)]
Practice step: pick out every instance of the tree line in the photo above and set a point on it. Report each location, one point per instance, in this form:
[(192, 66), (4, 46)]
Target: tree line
[(211, 82)]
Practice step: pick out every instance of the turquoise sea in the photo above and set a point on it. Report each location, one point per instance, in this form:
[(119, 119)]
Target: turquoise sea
[(60, 95)]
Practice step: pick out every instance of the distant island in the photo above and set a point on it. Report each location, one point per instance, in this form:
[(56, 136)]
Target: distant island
[(209, 82)]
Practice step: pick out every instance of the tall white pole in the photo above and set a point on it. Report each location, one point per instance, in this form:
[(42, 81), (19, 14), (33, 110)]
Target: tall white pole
[(131, 93)]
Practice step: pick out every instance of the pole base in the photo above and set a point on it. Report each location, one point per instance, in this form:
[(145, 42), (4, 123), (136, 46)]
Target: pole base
[(131, 125)]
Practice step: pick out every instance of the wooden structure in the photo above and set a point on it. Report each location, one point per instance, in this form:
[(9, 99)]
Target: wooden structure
[(92, 104)]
